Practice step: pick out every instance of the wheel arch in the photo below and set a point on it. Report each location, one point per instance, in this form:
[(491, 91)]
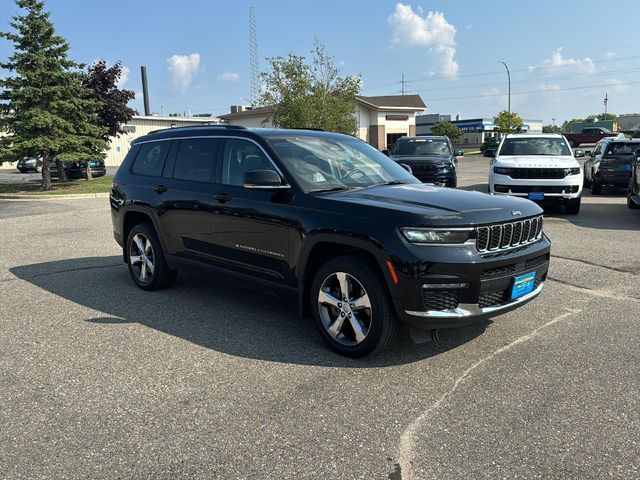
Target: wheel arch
[(323, 247), (135, 215)]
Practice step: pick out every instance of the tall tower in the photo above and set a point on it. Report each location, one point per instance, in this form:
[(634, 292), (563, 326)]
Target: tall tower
[(253, 57)]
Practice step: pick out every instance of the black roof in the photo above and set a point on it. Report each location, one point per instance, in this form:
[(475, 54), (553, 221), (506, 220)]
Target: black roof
[(212, 130)]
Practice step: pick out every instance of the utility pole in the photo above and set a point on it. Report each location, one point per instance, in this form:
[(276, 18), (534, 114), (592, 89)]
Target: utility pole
[(606, 100), (509, 78), (254, 63), (553, 122), (403, 83)]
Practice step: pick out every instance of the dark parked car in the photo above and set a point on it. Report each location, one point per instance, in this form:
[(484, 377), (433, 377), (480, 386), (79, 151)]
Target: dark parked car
[(79, 169), (614, 166), (633, 193), (29, 165), (357, 241), (432, 159)]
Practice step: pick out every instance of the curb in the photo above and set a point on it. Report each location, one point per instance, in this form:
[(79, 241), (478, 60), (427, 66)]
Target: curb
[(54, 197)]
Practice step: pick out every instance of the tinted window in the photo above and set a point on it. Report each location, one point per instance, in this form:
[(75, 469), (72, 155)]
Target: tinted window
[(242, 156), (619, 148), (196, 159), (422, 146), (150, 159)]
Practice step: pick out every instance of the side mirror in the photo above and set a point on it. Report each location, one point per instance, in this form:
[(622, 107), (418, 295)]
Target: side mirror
[(263, 179), (489, 152), (406, 167), (458, 153), (578, 153), (588, 153), (386, 152)]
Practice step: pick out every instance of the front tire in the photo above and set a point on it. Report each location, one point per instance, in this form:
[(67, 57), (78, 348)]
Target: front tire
[(586, 181), (352, 308), (630, 203), (596, 188), (145, 259)]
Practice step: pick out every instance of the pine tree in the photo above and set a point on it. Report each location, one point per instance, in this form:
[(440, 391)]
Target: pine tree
[(44, 107)]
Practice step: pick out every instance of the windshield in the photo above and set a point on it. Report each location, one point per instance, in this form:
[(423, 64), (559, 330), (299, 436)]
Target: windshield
[(535, 146), (325, 163), (422, 146)]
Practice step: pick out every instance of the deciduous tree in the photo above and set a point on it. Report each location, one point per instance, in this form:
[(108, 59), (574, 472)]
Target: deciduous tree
[(447, 129), (508, 122)]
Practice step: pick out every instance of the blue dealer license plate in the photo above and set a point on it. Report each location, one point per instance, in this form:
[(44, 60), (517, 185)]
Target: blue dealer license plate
[(522, 285), (536, 195)]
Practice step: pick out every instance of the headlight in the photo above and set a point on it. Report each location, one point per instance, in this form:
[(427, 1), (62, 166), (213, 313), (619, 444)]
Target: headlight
[(571, 171), (502, 171), (436, 235)]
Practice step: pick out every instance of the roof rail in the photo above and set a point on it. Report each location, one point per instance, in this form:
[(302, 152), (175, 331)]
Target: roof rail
[(214, 125)]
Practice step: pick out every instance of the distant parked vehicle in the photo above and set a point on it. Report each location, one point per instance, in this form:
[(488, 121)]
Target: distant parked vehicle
[(610, 164), (432, 159), (633, 193), (590, 135), (539, 167), (29, 165), (79, 169)]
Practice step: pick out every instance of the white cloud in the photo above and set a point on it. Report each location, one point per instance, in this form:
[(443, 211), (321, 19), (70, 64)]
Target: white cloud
[(182, 69), (229, 77), (609, 55), (415, 29), (557, 63), (124, 76), (617, 85), (550, 87)]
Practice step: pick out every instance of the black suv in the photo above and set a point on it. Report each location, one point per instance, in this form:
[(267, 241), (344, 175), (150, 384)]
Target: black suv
[(358, 240), (432, 158)]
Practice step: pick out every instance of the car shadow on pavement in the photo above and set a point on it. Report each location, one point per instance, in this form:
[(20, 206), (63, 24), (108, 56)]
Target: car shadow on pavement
[(216, 313)]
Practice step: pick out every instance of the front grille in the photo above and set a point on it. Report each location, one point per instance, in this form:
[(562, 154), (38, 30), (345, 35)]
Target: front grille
[(429, 172), (509, 234), (554, 173), (498, 271), (440, 300), (536, 261), (536, 188)]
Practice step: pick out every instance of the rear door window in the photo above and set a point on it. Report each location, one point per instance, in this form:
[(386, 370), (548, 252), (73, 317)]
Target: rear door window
[(150, 159), (196, 159)]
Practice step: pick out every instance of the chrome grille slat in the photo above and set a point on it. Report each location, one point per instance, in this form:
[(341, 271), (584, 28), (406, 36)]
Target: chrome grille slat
[(506, 235)]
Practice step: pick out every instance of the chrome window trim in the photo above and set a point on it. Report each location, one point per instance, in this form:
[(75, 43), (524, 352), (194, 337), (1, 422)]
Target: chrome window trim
[(234, 137)]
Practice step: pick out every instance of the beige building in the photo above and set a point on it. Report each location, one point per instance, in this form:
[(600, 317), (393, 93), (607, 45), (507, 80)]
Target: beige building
[(381, 120)]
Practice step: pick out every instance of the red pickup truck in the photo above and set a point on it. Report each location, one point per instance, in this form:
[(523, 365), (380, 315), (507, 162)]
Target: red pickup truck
[(590, 135)]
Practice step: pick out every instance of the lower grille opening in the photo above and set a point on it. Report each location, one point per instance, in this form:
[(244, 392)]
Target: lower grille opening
[(440, 299), (502, 297)]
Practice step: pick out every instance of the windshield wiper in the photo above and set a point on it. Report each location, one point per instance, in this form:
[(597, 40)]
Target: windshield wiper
[(392, 182), (331, 189)]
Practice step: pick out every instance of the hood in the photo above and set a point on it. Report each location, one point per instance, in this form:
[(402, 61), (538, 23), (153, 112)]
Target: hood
[(441, 206), (420, 158), (536, 161)]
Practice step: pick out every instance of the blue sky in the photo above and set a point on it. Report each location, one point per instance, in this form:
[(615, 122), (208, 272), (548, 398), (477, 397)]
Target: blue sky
[(564, 55)]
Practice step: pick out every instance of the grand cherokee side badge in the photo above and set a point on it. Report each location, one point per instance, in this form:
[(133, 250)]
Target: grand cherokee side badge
[(516, 213)]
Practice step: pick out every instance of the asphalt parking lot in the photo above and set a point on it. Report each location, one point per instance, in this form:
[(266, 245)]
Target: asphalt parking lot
[(211, 379)]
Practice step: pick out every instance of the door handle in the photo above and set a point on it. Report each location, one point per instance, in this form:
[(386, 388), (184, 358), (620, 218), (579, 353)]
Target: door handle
[(223, 197), (160, 189)]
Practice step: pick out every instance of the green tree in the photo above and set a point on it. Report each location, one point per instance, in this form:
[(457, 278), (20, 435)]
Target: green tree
[(112, 111), (447, 129), (601, 117), (508, 122), (314, 95), (489, 143), (44, 108), (551, 129), (566, 125)]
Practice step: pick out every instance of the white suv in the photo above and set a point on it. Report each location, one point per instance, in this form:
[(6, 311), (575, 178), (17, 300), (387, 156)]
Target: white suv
[(540, 167)]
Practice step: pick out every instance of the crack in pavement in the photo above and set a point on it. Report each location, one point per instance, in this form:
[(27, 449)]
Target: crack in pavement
[(594, 292), (592, 264), (407, 438)]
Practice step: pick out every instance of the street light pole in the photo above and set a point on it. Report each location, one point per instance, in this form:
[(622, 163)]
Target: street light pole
[(509, 77)]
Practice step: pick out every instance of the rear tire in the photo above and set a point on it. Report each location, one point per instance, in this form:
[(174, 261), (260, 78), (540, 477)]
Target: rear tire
[(145, 259), (596, 188), (362, 324), (572, 206)]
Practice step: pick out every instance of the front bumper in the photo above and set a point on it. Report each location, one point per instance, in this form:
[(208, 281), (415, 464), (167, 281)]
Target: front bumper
[(568, 187), (479, 290)]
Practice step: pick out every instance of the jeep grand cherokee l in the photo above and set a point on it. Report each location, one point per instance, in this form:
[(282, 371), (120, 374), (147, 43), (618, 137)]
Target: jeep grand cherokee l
[(360, 242), (540, 167)]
